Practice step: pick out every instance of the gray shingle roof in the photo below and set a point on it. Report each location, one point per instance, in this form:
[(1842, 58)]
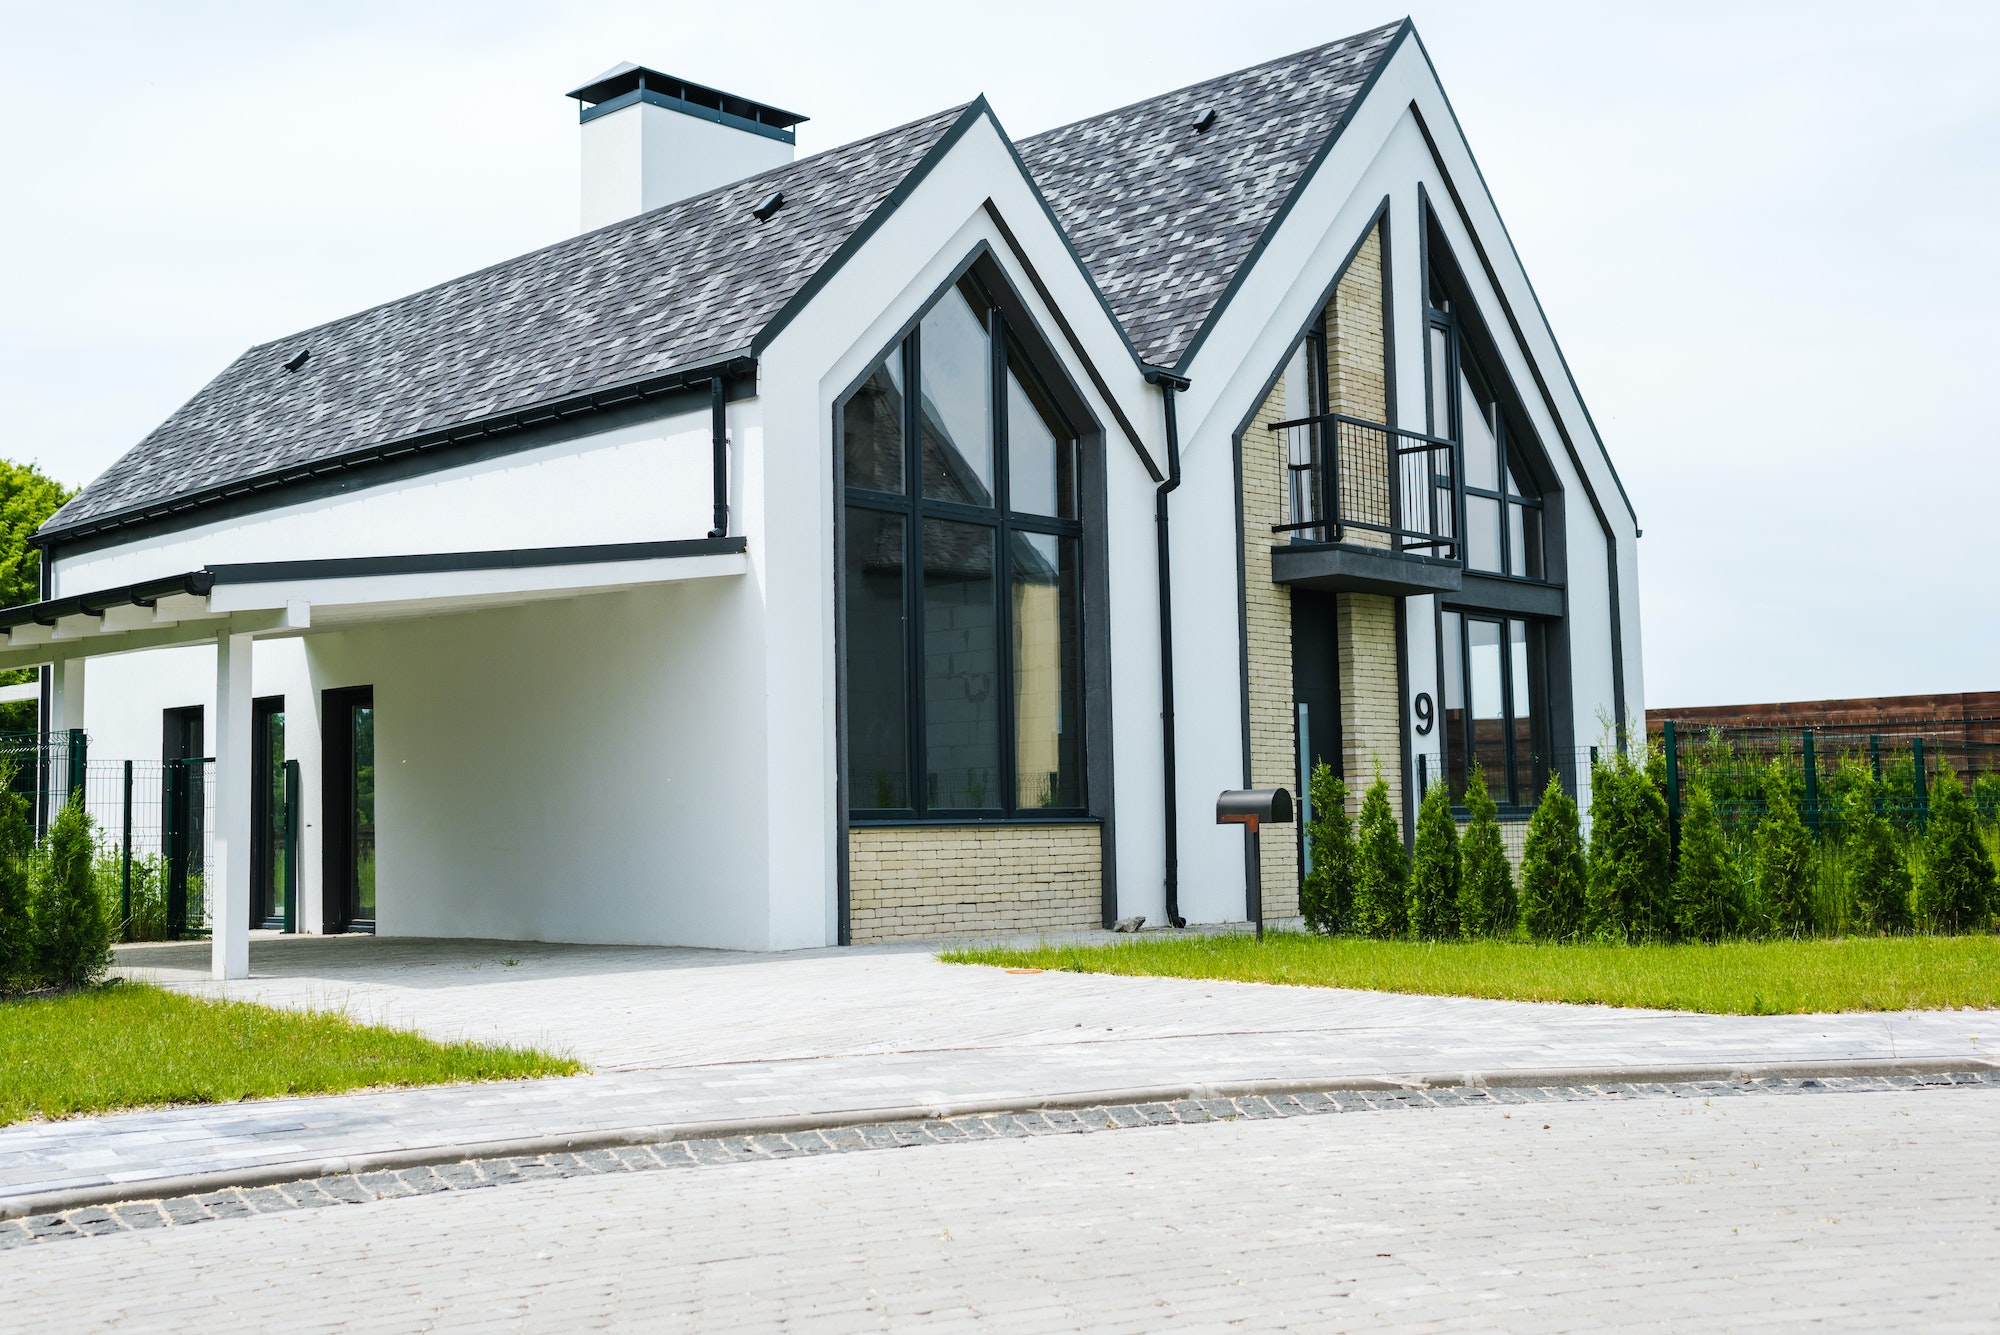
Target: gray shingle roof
[(1163, 216), (682, 286)]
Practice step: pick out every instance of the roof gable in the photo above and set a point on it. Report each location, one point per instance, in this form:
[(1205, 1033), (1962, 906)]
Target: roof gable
[(1164, 216), (686, 285)]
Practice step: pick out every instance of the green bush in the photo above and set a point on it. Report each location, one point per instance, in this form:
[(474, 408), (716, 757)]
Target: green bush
[(1956, 889), (1434, 869), (1629, 891), (1486, 905), (1553, 875), (1878, 875), (1381, 872), (1785, 870), (1326, 897), (1708, 893), (74, 939), (18, 969)]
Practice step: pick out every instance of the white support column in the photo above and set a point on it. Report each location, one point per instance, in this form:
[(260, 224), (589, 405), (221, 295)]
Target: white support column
[(66, 694), (229, 880)]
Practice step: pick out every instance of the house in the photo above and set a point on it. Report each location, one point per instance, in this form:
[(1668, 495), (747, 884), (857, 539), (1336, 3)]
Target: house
[(907, 540)]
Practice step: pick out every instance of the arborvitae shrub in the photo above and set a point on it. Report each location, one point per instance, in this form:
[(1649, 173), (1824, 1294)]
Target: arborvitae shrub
[(69, 916), (1381, 872), (17, 928), (1486, 884), (1957, 884), (1552, 869), (1434, 869), (1326, 898), (1878, 875), (1709, 903), (1785, 869), (1629, 855)]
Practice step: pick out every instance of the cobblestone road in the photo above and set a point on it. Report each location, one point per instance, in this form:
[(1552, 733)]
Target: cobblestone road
[(1850, 1210)]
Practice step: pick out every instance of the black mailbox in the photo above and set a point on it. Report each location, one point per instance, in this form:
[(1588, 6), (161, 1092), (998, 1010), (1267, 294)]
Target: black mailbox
[(1254, 808)]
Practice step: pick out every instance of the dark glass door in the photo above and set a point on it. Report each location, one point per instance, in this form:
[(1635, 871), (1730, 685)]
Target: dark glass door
[(268, 870), (347, 808)]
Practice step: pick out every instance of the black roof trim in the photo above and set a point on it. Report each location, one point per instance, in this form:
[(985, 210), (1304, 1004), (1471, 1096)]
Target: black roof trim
[(593, 401), (144, 593), (629, 78)]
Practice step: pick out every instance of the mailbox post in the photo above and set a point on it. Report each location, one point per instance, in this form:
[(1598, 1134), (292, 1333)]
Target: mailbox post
[(1254, 808)]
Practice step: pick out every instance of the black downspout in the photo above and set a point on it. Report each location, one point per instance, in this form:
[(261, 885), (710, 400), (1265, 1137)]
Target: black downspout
[(718, 426), (1169, 384)]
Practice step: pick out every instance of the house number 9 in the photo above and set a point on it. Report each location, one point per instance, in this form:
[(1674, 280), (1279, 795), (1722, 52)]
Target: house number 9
[(1424, 714)]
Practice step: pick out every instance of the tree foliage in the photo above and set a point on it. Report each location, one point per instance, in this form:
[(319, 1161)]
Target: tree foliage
[(18, 965), (1784, 858), (1326, 897), (1629, 894), (1486, 885), (1434, 869), (1709, 902), (69, 915), (1956, 890), (1381, 871), (28, 497), (1553, 874), (1878, 873)]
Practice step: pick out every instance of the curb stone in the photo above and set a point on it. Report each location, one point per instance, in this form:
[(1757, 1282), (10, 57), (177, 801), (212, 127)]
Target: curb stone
[(64, 1200)]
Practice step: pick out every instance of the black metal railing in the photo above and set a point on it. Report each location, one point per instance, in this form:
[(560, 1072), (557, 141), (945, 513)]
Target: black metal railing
[(1350, 480)]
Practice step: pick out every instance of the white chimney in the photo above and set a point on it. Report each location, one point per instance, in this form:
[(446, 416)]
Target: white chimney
[(650, 139)]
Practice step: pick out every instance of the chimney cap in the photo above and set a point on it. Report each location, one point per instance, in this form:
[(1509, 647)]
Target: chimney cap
[(627, 79)]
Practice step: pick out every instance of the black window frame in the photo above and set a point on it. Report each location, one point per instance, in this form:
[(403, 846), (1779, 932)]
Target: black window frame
[(1524, 783), (1006, 352), (1511, 460)]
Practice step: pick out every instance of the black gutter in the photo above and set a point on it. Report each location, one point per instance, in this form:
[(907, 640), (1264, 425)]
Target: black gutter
[(500, 424), (1169, 383), (718, 429), (144, 594)]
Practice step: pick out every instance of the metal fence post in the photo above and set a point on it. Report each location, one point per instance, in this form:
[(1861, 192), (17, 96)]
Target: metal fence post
[(170, 846), (125, 856), (77, 753), (1670, 742), (1423, 774), (1812, 781)]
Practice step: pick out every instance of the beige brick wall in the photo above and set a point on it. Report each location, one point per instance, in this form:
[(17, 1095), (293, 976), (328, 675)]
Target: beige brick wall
[(1274, 747), (913, 882), (1371, 733), (1357, 377)]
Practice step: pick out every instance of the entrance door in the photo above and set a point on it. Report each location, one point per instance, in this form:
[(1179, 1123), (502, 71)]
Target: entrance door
[(183, 773), (1315, 696), (268, 869), (347, 802)]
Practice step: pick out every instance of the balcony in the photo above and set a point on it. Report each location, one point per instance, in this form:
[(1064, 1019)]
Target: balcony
[(1370, 509)]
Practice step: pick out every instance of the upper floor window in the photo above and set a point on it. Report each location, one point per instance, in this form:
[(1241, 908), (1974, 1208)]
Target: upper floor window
[(1503, 508), (962, 578)]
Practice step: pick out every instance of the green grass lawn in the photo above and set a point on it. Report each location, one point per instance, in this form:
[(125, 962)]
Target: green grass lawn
[(128, 1045), (1738, 978)]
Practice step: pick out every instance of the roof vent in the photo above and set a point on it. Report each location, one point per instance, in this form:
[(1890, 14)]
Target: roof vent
[(763, 212), (297, 359), (1207, 119)]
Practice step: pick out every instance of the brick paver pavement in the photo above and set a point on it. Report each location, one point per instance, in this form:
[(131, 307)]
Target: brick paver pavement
[(1860, 1211), (698, 1036)]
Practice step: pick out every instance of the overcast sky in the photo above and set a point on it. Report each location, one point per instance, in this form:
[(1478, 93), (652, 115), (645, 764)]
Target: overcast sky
[(1764, 235)]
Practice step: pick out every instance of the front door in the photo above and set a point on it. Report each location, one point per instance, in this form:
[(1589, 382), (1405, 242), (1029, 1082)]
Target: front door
[(347, 746), (184, 839), (268, 869)]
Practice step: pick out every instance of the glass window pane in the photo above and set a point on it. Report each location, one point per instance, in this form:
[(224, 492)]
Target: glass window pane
[(1041, 461), (961, 667), (1489, 727), (364, 811), (1451, 633), (1482, 451), (957, 372), (1531, 541), (1517, 542), (273, 892), (871, 427), (1048, 676), (1482, 533), (1440, 382), (875, 657), (1524, 713)]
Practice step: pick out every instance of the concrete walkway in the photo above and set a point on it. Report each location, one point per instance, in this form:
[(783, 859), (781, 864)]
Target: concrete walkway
[(684, 1039)]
